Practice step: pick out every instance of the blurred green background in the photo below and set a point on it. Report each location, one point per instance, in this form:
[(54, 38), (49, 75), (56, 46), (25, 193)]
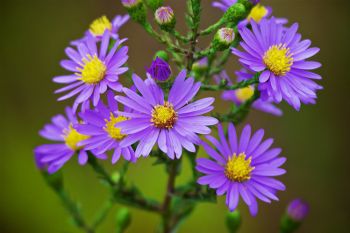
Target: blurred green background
[(33, 37)]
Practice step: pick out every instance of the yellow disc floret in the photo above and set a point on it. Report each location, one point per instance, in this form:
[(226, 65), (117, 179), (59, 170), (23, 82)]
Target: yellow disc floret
[(164, 116), (238, 168), (278, 59), (113, 131), (100, 25), (93, 70), (72, 138), (257, 13), (245, 93)]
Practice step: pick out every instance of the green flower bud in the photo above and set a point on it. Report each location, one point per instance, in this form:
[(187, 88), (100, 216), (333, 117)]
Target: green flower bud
[(223, 38), (115, 177), (154, 4), (136, 10), (161, 54), (165, 18), (233, 221), (235, 13), (123, 219)]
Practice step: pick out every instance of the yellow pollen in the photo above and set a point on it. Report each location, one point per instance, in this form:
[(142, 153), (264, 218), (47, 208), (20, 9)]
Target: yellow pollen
[(164, 116), (100, 25), (93, 70), (72, 138), (245, 93), (257, 13), (238, 168), (278, 59), (114, 132)]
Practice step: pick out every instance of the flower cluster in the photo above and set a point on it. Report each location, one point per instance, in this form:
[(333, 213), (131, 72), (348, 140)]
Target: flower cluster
[(116, 113)]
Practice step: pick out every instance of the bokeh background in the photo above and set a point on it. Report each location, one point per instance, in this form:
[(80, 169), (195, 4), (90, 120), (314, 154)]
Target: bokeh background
[(315, 140)]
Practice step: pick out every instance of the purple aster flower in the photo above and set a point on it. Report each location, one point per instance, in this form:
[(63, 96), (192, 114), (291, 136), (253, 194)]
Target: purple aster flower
[(242, 167), (61, 130), (102, 24), (243, 94), (95, 70), (173, 124), (298, 210), (257, 13), (281, 56), (99, 124), (159, 70)]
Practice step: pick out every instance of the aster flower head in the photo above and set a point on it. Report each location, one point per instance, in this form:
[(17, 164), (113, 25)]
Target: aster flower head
[(297, 210), (173, 123), (100, 25), (100, 125), (159, 70), (62, 131), (280, 55), (241, 95), (94, 70), (242, 167)]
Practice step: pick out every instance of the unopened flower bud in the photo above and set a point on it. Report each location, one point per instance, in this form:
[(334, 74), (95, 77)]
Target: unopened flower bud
[(123, 219), (159, 70), (298, 210), (164, 16), (223, 38), (115, 177), (201, 65), (130, 3), (136, 10), (233, 221), (235, 13)]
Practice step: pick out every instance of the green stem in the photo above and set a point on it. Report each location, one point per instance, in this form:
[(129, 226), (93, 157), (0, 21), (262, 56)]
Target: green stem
[(179, 37), (212, 28), (194, 13), (242, 84), (100, 170), (166, 206), (129, 196), (55, 181), (102, 214), (148, 27), (239, 113)]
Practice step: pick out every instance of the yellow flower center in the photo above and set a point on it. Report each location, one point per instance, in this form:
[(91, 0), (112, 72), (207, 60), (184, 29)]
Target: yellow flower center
[(114, 132), (72, 138), (278, 59), (238, 168), (257, 13), (100, 25), (245, 93), (164, 116), (93, 71)]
